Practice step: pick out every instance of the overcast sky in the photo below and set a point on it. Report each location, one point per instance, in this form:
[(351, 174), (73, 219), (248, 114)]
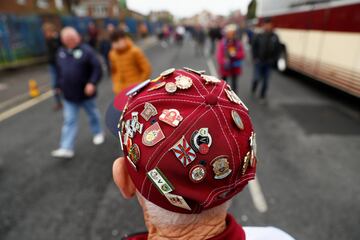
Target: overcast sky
[(186, 8)]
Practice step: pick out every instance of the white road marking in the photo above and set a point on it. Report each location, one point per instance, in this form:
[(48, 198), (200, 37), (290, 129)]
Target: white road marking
[(25, 105), (254, 185), (257, 196), (211, 67)]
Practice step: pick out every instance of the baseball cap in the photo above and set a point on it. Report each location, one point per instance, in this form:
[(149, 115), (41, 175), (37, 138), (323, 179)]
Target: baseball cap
[(187, 138)]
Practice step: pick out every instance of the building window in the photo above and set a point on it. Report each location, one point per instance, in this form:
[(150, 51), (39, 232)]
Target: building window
[(59, 4), (100, 11), (42, 3)]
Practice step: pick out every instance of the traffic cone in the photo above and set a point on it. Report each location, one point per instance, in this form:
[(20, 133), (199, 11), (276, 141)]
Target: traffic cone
[(33, 88)]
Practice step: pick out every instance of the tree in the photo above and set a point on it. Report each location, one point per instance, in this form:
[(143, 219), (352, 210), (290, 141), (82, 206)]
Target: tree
[(251, 13)]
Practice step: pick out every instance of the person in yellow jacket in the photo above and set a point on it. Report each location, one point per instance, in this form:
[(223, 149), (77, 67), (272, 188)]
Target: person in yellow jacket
[(129, 65)]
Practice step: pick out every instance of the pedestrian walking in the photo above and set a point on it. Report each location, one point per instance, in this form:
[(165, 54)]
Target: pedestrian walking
[(265, 52), (183, 169), (215, 35), (53, 43), (105, 44), (129, 65), (200, 37), (79, 73), (230, 53), (93, 33)]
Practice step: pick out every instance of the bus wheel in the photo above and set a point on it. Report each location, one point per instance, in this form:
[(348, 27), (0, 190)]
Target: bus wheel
[(281, 62)]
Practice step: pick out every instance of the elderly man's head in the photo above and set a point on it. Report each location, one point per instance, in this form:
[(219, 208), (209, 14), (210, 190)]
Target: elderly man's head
[(70, 37)]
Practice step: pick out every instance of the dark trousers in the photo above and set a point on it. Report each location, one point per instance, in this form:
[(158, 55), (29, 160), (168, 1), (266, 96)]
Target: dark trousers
[(261, 75), (233, 83)]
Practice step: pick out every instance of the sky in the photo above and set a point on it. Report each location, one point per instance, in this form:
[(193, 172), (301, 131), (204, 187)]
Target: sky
[(187, 8)]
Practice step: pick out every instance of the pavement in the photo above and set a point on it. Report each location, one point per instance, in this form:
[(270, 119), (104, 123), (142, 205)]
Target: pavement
[(308, 146)]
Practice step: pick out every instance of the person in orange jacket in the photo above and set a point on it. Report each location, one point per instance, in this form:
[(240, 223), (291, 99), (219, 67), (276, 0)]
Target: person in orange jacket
[(129, 65)]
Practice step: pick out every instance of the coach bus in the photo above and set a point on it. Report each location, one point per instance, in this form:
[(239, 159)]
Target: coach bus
[(320, 38)]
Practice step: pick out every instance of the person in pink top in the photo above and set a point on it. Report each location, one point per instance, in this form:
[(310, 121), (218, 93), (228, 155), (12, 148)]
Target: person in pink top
[(229, 55)]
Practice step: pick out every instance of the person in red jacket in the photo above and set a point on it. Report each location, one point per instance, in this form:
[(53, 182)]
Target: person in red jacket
[(229, 55), (189, 147)]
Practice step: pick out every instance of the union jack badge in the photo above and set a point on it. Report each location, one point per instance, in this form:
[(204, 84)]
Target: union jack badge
[(184, 152)]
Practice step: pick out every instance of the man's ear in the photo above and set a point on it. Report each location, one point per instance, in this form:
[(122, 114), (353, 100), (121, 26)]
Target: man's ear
[(122, 178)]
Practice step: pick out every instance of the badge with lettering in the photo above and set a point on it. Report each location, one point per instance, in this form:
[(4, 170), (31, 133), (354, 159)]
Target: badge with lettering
[(234, 98), (152, 135), (183, 82), (134, 154), (246, 163), (167, 72), (221, 167), (160, 181), (157, 86), (201, 140), (197, 173), (184, 152), (210, 79), (135, 125), (237, 119), (149, 111), (170, 87), (171, 117), (138, 87), (177, 200), (198, 72)]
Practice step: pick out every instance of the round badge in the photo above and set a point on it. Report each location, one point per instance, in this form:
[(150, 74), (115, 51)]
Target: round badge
[(170, 87), (210, 79), (237, 119), (203, 148), (183, 82), (197, 173), (167, 72)]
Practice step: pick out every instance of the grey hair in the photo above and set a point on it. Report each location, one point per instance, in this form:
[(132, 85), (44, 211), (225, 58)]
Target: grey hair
[(162, 217), (69, 31)]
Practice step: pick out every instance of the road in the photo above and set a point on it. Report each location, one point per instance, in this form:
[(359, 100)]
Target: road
[(307, 183)]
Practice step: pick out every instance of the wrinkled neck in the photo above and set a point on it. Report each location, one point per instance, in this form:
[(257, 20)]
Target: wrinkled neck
[(200, 228)]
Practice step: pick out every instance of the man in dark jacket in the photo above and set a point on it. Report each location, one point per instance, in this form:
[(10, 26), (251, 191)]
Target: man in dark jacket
[(79, 71), (53, 44), (265, 51)]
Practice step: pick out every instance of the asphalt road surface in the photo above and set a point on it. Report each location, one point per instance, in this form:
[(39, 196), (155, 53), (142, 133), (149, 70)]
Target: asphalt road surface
[(308, 174)]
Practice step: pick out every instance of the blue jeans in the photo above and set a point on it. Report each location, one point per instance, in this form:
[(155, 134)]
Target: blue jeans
[(261, 74), (71, 115)]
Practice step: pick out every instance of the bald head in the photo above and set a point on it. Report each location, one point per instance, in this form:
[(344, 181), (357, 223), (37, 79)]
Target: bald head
[(70, 37)]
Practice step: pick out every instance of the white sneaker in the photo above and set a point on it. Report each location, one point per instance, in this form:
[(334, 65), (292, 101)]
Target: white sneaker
[(99, 139), (62, 153)]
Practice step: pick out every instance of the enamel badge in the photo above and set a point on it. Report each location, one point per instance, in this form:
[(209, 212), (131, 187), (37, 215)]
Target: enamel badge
[(221, 167), (198, 72), (157, 86), (234, 98), (170, 87), (201, 140), (149, 111), (197, 173), (138, 87), (152, 135), (183, 82), (210, 79), (134, 154), (253, 147), (184, 152), (171, 117), (160, 181), (237, 119), (177, 200), (167, 72), (132, 126), (246, 163)]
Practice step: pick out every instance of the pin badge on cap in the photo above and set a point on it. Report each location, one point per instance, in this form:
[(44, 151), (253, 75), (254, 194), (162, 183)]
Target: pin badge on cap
[(167, 72), (234, 98), (171, 117), (221, 167), (198, 72), (237, 119), (160, 181), (253, 147), (177, 201), (184, 152), (152, 135), (157, 86), (149, 111), (183, 82), (170, 87), (138, 87), (210, 79), (197, 173), (134, 154), (201, 140), (135, 125), (245, 163)]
